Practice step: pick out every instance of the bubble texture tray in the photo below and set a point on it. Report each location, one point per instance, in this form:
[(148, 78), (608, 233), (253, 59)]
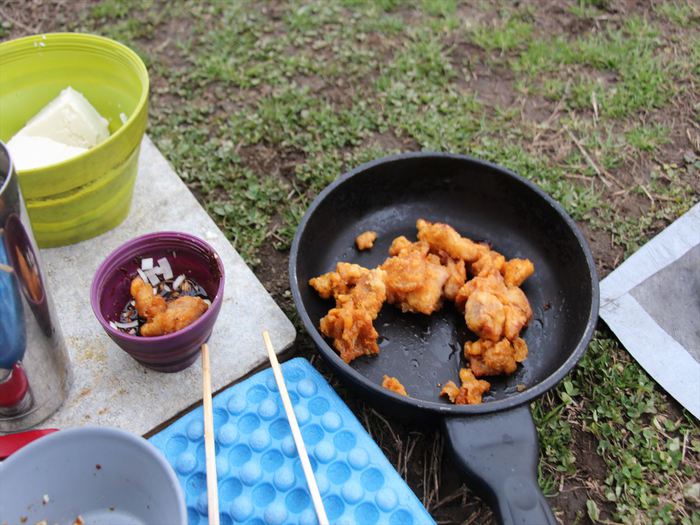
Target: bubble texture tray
[(261, 481)]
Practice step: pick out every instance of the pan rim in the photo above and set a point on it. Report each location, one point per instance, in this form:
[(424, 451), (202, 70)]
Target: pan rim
[(445, 409)]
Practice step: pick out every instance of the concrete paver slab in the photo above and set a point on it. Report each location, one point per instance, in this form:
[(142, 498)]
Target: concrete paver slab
[(109, 387)]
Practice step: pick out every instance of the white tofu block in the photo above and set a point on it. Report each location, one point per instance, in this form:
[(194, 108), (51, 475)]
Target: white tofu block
[(29, 152), (69, 119)]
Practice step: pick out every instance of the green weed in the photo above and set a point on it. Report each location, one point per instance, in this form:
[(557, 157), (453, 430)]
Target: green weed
[(647, 138), (680, 12), (504, 37)]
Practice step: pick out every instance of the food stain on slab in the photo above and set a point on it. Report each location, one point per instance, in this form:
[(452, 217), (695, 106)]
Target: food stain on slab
[(83, 393), (90, 350)]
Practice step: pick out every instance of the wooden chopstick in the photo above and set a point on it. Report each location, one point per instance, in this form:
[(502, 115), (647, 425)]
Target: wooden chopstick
[(296, 433), (209, 449)]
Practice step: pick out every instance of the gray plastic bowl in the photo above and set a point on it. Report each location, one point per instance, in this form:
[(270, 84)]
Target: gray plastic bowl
[(106, 476)]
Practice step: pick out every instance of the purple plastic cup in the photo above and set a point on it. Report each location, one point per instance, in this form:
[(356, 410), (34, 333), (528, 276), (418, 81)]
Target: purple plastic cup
[(187, 255)]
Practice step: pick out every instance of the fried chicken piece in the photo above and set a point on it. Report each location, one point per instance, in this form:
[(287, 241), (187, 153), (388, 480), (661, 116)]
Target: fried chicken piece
[(487, 358), (472, 388), (457, 273), (349, 324), (339, 282), (471, 391), (444, 237), (457, 277), (399, 244), (492, 309), (485, 315), (148, 305), (352, 332), (490, 262), (368, 294), (180, 312), (521, 349), (414, 279), (327, 284), (516, 271), (450, 390), (393, 384), (502, 364), (518, 312), (467, 289), (365, 240), (164, 317)]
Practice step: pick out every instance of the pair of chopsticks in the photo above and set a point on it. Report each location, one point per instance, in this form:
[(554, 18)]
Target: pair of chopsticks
[(210, 453)]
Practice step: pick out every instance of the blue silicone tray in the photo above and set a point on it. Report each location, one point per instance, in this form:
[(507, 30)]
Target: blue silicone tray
[(261, 481)]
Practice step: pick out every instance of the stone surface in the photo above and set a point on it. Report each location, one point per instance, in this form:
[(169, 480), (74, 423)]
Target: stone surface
[(109, 387)]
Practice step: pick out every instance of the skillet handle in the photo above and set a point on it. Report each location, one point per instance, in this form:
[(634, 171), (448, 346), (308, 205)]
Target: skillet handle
[(499, 452)]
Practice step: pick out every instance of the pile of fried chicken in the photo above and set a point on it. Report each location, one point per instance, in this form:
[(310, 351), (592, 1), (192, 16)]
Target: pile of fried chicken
[(164, 317), (418, 277)]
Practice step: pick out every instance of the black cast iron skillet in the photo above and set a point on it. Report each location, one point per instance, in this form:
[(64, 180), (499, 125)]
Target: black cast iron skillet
[(495, 443)]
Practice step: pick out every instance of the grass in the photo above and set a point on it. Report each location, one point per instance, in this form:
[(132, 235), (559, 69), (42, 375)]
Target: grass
[(603, 63), (504, 36), (645, 451), (681, 13), (259, 105), (647, 138)]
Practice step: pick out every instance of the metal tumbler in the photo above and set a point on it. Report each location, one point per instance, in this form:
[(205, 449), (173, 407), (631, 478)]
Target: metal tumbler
[(35, 374)]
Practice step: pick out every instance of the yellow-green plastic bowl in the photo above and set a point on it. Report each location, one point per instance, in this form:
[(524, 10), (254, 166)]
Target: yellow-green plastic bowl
[(89, 194)]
